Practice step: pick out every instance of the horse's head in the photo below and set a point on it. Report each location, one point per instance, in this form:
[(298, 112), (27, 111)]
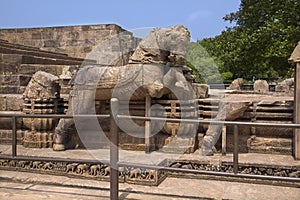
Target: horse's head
[(163, 45), (175, 40)]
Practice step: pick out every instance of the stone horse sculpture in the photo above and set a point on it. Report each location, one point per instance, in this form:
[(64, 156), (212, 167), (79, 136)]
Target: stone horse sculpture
[(155, 69)]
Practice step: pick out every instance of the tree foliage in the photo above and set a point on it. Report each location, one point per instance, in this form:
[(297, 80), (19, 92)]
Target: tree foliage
[(261, 41), (203, 65)]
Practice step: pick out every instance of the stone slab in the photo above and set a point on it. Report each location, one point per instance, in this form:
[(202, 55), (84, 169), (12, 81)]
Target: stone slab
[(172, 188)]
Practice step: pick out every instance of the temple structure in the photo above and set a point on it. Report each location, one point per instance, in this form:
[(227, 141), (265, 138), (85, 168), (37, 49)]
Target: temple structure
[(60, 51)]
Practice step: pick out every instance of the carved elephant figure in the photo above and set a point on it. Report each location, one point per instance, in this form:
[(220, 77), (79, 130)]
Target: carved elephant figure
[(151, 174), (36, 164), (106, 171), (22, 164), (82, 168), (3, 162), (71, 167), (295, 174), (95, 170), (48, 166), (122, 171), (12, 163), (135, 173)]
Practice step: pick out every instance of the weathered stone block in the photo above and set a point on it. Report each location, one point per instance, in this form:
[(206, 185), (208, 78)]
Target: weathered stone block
[(236, 84), (90, 42), (47, 35), (18, 30), (42, 86), (201, 90), (55, 39), (8, 68), (36, 36), (12, 58), (51, 69), (9, 89), (285, 86), (22, 89), (27, 69), (73, 35), (50, 43), (14, 102), (85, 28), (9, 80), (24, 80), (2, 103), (6, 122), (87, 49), (33, 43), (261, 86), (75, 42)]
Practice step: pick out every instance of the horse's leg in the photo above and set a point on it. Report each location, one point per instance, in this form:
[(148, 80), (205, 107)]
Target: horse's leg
[(210, 139), (81, 102), (61, 134), (61, 131)]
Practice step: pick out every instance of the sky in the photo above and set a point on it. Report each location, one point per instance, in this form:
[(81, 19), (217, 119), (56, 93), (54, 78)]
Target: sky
[(203, 18)]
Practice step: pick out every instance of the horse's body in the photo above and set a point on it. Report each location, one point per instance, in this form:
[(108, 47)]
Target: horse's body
[(147, 74)]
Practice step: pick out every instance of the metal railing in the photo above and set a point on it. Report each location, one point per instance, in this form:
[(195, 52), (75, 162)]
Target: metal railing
[(114, 162), (248, 87)]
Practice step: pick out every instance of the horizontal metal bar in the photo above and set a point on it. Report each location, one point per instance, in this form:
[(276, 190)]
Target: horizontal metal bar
[(53, 116), (214, 173), (51, 159), (211, 122)]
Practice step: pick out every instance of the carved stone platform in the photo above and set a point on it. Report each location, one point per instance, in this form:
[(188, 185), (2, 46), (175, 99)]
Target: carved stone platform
[(84, 170), (144, 176)]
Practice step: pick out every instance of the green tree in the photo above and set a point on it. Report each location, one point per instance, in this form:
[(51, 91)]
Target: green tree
[(265, 34), (204, 67)]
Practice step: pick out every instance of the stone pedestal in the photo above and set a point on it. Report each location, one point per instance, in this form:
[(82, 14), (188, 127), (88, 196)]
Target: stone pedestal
[(295, 58), (42, 96)]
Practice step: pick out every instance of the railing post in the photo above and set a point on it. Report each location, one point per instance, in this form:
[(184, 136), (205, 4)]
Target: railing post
[(114, 150), (147, 124), (224, 134), (14, 136), (296, 142), (236, 149)]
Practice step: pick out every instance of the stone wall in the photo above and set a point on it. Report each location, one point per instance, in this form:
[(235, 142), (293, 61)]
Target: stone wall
[(76, 41), (24, 51), (15, 77), (57, 50)]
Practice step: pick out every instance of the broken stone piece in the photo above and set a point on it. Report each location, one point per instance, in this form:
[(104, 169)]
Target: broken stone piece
[(42, 86), (236, 84), (261, 86)]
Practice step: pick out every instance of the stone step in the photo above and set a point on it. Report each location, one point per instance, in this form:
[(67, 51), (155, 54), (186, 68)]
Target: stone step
[(180, 145), (9, 48), (270, 145)]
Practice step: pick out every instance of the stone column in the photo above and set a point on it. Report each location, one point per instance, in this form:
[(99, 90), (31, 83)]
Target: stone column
[(41, 96), (295, 58)]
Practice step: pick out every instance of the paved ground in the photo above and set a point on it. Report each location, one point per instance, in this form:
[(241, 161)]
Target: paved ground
[(23, 185), (153, 158)]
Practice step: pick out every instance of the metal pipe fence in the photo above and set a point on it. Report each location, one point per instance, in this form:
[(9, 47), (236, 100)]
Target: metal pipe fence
[(114, 162)]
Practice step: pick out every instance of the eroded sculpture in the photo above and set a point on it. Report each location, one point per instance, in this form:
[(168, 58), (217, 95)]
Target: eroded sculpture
[(155, 69), (228, 111)]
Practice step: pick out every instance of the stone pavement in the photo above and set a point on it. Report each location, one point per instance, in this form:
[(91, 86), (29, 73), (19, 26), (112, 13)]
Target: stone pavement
[(23, 186), (154, 157)]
